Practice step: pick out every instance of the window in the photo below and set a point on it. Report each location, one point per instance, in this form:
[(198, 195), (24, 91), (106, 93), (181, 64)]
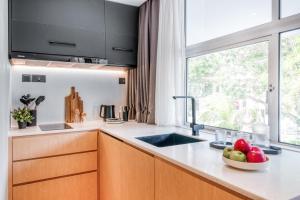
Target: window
[(230, 87), (290, 88), (289, 7), (209, 19), (248, 80)]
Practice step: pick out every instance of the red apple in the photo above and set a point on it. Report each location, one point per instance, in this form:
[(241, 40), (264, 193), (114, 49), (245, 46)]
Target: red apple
[(242, 145), (256, 149), (255, 156)]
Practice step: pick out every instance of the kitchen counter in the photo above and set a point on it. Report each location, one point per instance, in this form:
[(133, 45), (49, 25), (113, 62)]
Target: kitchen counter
[(280, 181)]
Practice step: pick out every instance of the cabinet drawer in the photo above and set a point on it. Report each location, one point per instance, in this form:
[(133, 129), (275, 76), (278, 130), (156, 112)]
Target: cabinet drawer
[(44, 168), (55, 144), (79, 187)]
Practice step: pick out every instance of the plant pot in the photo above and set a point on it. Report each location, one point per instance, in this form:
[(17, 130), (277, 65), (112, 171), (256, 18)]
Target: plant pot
[(22, 125), (33, 114)]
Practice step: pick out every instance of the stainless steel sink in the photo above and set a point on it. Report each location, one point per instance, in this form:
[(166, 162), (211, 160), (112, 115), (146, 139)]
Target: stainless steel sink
[(166, 140)]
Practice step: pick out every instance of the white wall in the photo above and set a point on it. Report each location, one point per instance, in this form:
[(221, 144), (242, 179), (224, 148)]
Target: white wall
[(4, 98), (95, 88)]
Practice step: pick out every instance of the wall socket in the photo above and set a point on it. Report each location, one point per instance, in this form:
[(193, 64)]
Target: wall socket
[(34, 78), (39, 78), (122, 81), (26, 78)]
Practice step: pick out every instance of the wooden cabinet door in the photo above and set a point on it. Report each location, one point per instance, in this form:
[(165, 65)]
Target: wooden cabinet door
[(137, 169), (40, 146), (110, 168), (174, 183), (79, 187), (45, 168), (171, 183)]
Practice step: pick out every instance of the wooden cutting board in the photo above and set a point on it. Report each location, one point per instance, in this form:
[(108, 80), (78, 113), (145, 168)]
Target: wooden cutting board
[(73, 107)]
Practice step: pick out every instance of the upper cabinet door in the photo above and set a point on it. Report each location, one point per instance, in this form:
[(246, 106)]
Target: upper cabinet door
[(121, 33), (59, 27)]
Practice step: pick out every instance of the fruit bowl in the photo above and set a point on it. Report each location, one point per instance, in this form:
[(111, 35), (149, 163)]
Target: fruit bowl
[(246, 165)]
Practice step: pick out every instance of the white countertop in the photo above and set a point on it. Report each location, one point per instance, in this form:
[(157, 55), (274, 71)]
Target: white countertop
[(280, 181)]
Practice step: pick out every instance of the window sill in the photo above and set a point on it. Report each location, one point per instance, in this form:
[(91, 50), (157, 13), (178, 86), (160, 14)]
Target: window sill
[(288, 147), (283, 146)]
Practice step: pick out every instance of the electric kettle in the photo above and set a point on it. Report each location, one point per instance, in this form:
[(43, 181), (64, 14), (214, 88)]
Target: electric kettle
[(107, 111)]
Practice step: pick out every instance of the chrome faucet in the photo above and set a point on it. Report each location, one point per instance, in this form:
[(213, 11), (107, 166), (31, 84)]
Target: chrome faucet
[(195, 127)]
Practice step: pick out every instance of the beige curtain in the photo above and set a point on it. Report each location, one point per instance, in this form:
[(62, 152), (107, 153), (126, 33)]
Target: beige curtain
[(131, 94), (141, 81)]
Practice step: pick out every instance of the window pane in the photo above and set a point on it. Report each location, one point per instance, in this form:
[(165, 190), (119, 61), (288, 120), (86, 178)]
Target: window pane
[(208, 19), (290, 88), (289, 7), (230, 87)]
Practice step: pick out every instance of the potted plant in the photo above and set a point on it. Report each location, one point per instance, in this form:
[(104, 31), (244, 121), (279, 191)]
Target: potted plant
[(29, 102), (22, 116)]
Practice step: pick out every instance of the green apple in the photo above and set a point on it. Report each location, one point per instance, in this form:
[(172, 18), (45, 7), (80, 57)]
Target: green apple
[(238, 156), (227, 151)]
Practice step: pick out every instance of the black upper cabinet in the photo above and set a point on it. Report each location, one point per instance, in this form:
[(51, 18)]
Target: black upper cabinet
[(58, 27), (121, 22), (61, 29)]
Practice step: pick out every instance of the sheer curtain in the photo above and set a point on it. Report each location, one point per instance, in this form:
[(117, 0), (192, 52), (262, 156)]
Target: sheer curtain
[(170, 63)]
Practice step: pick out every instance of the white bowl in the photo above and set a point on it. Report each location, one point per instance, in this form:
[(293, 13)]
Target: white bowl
[(246, 165)]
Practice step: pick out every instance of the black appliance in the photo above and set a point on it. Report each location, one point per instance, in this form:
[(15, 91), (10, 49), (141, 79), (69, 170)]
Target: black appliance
[(52, 127), (107, 112)]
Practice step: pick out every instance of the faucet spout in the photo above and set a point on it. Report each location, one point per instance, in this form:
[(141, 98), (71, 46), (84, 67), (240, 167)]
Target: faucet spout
[(195, 127)]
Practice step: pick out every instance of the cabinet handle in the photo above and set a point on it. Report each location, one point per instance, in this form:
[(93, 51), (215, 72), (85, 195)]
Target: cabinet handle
[(122, 49), (62, 43)]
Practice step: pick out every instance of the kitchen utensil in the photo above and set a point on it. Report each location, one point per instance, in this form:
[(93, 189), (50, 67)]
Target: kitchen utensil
[(107, 111), (39, 100), (124, 113), (246, 165), (26, 100), (73, 103)]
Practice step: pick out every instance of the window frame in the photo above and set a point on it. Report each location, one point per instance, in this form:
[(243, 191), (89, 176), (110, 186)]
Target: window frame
[(271, 32)]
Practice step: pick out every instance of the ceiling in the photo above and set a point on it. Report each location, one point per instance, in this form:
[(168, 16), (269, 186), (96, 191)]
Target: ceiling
[(130, 2)]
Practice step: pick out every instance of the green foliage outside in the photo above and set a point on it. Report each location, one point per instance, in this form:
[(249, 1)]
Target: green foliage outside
[(231, 87), (290, 89)]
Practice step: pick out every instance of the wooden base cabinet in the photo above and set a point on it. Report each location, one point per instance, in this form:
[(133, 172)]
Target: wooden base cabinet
[(126, 173), (110, 168), (76, 167), (62, 166), (137, 174), (173, 183)]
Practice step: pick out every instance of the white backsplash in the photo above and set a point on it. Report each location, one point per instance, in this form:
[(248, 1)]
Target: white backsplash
[(94, 86)]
